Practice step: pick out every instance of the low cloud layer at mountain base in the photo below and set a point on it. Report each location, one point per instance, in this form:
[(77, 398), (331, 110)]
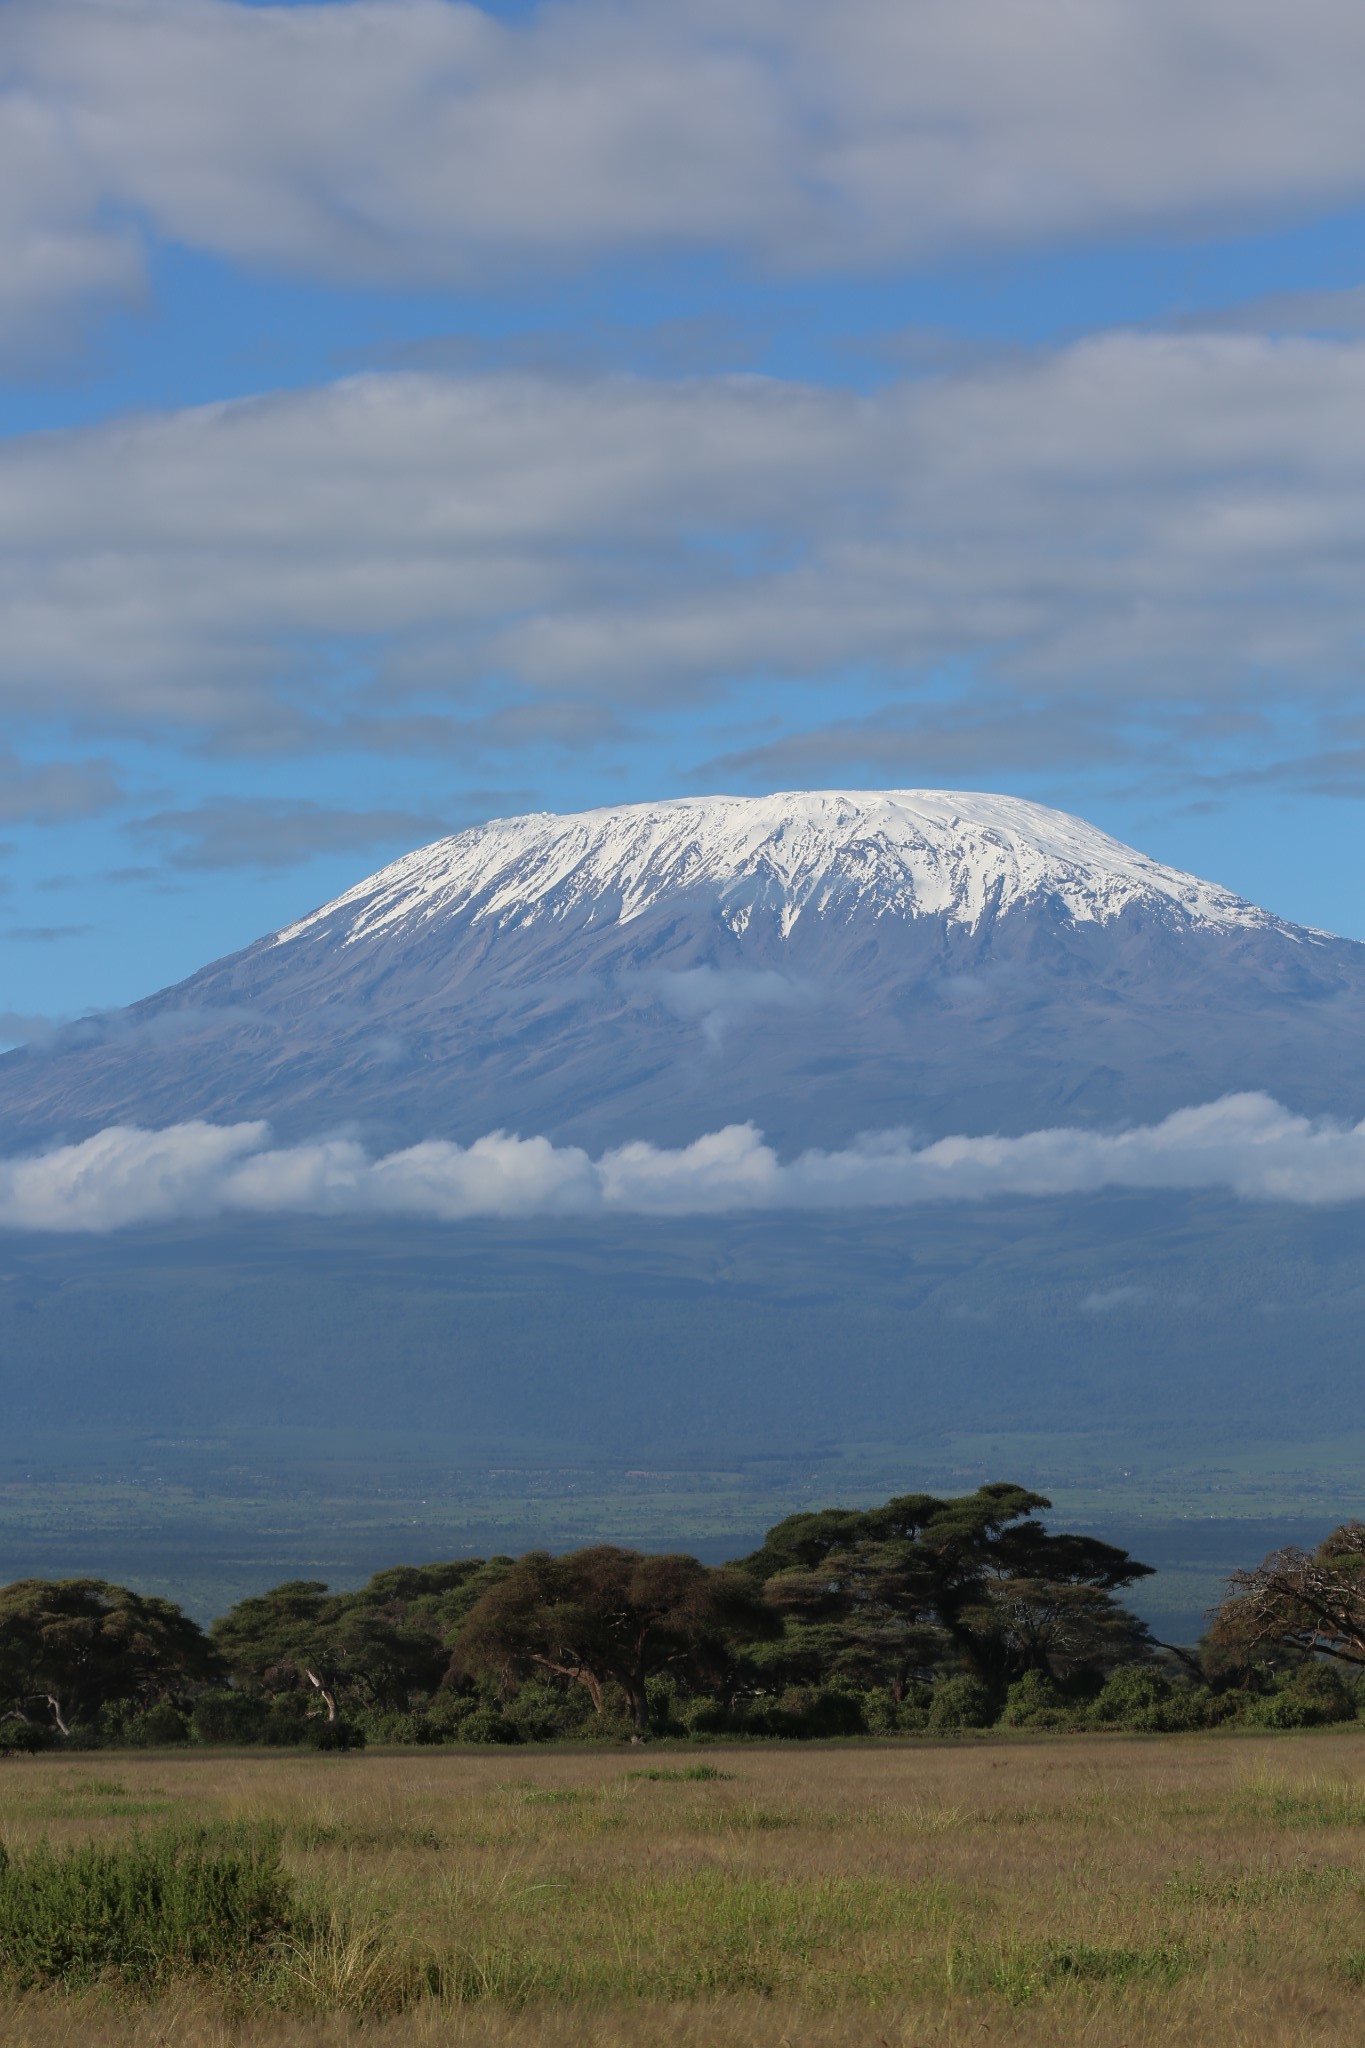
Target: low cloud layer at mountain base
[(1246, 1144)]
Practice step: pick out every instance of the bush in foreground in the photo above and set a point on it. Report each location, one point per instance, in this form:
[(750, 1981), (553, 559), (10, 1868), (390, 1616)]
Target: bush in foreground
[(209, 1900)]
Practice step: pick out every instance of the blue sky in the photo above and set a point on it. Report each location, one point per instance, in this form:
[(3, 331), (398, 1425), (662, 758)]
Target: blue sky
[(411, 414)]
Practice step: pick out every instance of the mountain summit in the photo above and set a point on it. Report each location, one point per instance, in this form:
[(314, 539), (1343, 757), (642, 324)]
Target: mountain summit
[(841, 855), (819, 963)]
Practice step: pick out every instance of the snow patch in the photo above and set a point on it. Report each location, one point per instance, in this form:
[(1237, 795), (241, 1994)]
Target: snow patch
[(950, 854)]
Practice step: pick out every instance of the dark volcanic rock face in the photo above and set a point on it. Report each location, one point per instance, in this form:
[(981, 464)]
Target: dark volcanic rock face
[(712, 1002)]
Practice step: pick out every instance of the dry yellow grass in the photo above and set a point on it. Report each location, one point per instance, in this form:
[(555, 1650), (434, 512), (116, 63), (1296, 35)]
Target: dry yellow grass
[(1114, 1892)]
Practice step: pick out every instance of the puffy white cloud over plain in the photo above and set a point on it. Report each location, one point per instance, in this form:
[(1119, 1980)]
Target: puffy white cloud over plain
[(414, 140), (1133, 521), (1247, 1144)]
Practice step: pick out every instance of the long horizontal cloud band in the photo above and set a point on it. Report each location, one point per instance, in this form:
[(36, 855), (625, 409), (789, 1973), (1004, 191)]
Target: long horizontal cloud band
[(393, 142), (1104, 522), (1247, 1144)]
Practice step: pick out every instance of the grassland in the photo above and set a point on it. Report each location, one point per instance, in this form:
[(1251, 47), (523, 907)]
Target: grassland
[(1113, 1892)]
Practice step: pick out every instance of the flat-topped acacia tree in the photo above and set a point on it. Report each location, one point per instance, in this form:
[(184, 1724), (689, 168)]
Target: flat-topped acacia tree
[(69, 1646), (879, 1595), (379, 1646), (610, 1616)]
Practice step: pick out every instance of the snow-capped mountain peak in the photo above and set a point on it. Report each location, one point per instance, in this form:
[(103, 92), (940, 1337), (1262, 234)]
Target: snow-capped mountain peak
[(816, 964), (950, 854)]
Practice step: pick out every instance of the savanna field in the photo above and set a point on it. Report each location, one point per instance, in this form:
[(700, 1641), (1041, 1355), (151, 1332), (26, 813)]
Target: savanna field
[(1112, 1890)]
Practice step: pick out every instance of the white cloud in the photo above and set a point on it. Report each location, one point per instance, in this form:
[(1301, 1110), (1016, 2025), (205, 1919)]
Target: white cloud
[(718, 998), (1131, 526), (394, 141), (1102, 1301), (58, 253), (1245, 1144)]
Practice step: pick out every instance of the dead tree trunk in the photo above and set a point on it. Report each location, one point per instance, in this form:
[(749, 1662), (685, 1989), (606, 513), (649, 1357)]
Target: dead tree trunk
[(328, 1697)]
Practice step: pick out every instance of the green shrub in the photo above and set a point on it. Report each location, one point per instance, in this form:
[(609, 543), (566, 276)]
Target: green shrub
[(959, 1703), (806, 1713), (666, 1704), (157, 1906), (449, 1716), (826, 1710), (1135, 1696), (1140, 1697), (443, 1715), (487, 1724), (23, 1738), (612, 1725), (411, 1728), (543, 1711), (912, 1715), (704, 1716), (1312, 1697), (1035, 1701), (339, 1734), (160, 1727), (1199, 1706), (879, 1712), (286, 1723), (236, 1717)]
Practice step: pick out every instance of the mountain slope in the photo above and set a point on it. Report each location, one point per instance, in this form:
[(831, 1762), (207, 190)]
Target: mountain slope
[(820, 963)]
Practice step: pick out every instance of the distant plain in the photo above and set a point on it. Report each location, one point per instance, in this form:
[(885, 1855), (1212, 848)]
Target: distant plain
[(205, 1411)]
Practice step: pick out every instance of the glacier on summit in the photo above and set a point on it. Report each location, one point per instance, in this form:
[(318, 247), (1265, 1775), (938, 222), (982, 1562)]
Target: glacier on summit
[(843, 853)]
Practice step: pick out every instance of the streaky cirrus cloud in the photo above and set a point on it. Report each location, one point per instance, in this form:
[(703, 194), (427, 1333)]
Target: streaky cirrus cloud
[(1132, 526), (1246, 1144), (395, 142)]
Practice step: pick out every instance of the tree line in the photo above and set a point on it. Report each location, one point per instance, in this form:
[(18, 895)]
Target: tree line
[(926, 1614)]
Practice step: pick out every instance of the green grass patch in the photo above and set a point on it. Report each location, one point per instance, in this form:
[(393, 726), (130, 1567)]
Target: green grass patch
[(745, 1816), (691, 1774), (1021, 1972), (1305, 1803), (79, 1798), (212, 1900), (1267, 1887)]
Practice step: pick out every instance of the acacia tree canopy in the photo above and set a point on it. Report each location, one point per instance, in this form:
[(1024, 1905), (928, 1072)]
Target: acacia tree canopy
[(379, 1646), (890, 1591), (68, 1646), (1056, 1628), (607, 1615), (867, 1598)]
